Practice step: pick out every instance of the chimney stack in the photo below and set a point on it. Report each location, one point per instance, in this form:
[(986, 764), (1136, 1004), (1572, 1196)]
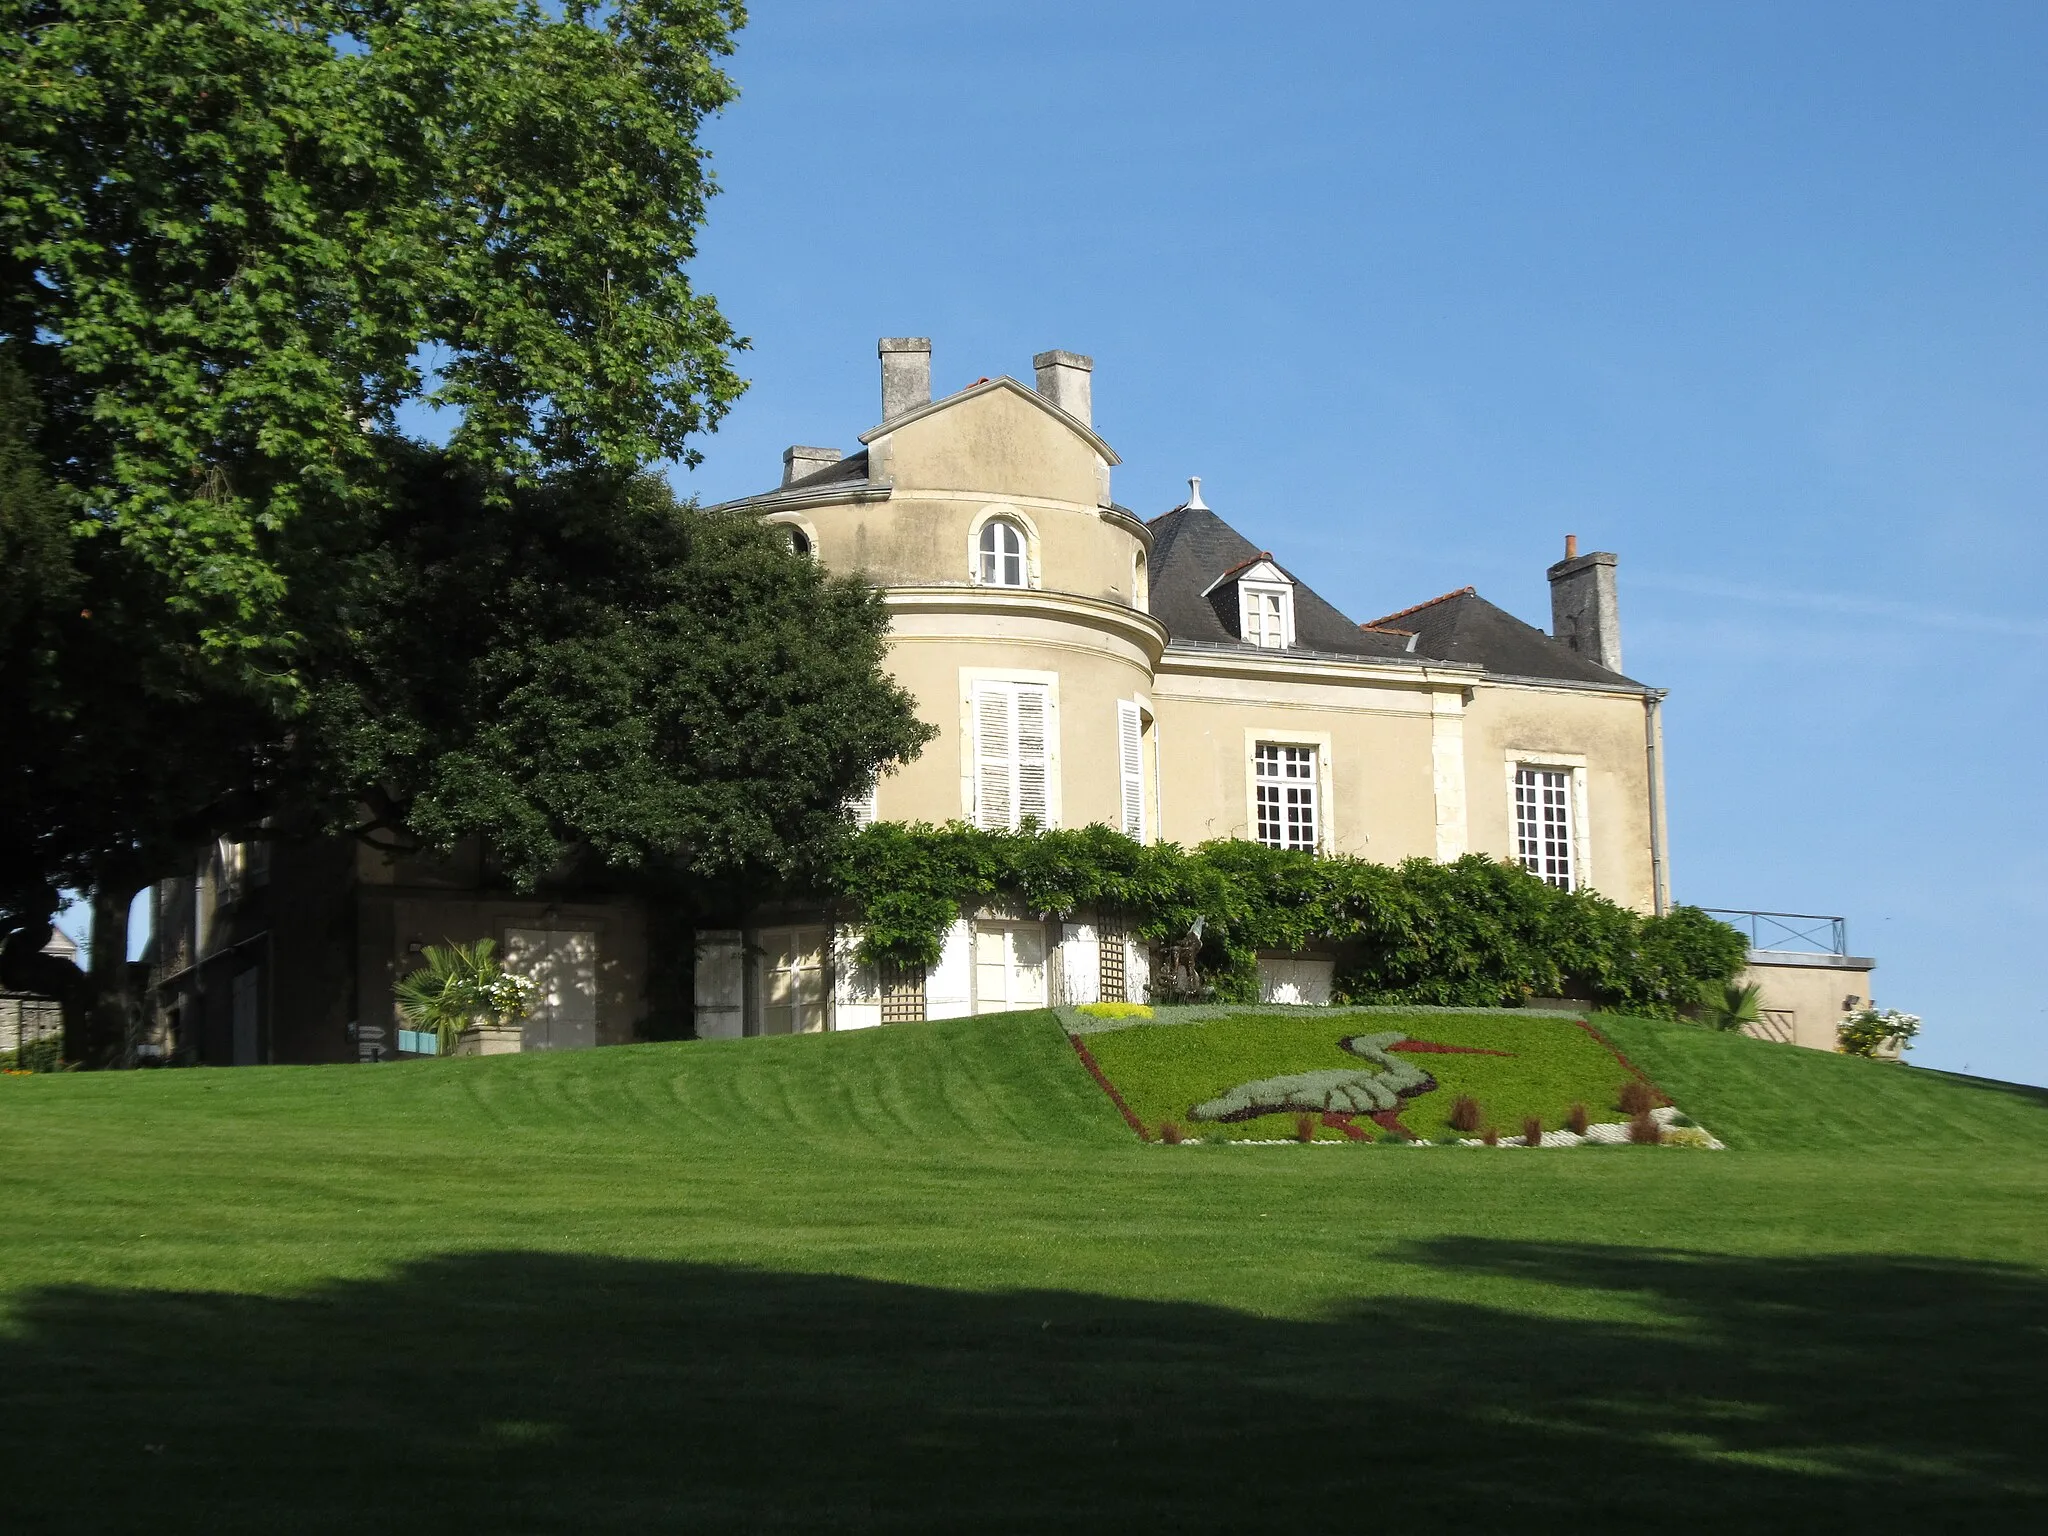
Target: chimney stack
[(1584, 613), (906, 374), (799, 462), (1063, 378)]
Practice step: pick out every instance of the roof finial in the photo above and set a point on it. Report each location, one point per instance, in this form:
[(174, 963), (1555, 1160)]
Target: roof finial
[(1194, 501)]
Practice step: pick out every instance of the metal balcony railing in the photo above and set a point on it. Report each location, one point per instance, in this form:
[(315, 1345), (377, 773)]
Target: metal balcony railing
[(1795, 933)]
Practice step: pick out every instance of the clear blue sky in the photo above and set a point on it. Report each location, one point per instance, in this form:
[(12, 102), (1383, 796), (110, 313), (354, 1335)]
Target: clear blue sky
[(1755, 295)]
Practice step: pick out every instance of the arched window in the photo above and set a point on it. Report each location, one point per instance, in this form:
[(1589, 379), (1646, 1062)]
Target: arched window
[(799, 541), (1002, 554)]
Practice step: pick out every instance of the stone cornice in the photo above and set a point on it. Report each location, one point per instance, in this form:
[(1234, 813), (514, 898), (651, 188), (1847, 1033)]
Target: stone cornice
[(1320, 667), (1127, 624)]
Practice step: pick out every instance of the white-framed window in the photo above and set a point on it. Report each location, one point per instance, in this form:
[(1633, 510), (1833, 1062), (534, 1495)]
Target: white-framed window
[(862, 808), (1003, 562), (1285, 784), (1012, 755), (1130, 761), (1544, 830), (1265, 615), (1009, 966)]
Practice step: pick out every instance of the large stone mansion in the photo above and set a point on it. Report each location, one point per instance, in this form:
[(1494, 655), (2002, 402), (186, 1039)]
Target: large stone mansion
[(1082, 664)]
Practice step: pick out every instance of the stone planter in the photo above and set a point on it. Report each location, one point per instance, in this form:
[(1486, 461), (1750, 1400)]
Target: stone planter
[(489, 1040)]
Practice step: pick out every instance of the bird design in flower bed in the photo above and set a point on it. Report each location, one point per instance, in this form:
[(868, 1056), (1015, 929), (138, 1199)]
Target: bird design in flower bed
[(1339, 1090)]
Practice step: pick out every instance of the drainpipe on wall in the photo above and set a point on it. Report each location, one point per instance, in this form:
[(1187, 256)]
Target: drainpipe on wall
[(1653, 758)]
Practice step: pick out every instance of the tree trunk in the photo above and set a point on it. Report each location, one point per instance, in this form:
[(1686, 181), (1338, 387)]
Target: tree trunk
[(102, 1024)]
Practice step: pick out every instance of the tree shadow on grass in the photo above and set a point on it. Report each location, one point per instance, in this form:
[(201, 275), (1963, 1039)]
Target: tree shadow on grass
[(539, 1392)]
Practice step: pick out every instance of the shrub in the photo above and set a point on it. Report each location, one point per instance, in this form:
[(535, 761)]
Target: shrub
[(1490, 1136), (1474, 931), (1869, 1032), (1392, 1138), (1636, 1097), (1115, 1010), (1577, 1121), (1726, 1006), (1686, 1136), (1643, 1128), (1532, 1131), (44, 1055), (1465, 1114), (1304, 1128)]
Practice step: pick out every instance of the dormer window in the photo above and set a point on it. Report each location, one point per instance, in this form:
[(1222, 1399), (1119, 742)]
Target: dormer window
[(1002, 554), (1265, 612), (1256, 599)]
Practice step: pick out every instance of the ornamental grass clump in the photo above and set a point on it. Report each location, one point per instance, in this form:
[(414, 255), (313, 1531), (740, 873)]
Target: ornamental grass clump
[(1636, 1097), (1465, 1114), (1532, 1131), (1304, 1128), (1577, 1121), (1644, 1130), (1491, 1136), (1170, 1134)]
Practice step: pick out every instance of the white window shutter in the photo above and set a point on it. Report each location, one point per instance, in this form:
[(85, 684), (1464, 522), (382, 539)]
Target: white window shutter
[(1033, 758), (1130, 758), (995, 759)]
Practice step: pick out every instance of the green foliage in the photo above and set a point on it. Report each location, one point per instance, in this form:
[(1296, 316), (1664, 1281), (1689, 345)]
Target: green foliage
[(234, 234), (1877, 1033), (591, 668), (44, 1055), (1116, 1010), (1728, 1006), (1475, 932), (458, 985)]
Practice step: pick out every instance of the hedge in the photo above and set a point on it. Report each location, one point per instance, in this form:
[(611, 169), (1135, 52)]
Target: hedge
[(1473, 932)]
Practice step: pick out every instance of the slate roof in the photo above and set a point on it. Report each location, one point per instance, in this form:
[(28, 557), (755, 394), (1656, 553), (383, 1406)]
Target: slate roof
[(1463, 626), (1192, 546)]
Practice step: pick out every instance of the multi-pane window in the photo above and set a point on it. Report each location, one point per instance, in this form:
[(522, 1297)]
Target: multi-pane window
[(1284, 786), (1264, 615), (1012, 755), (1543, 824), (1002, 554)]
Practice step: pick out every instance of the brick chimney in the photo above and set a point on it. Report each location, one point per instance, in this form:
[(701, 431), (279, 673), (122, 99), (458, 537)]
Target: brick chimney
[(799, 462), (906, 374), (1584, 613), (1064, 379)]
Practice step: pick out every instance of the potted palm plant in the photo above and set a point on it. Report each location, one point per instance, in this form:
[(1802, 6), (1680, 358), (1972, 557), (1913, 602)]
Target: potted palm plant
[(465, 1001)]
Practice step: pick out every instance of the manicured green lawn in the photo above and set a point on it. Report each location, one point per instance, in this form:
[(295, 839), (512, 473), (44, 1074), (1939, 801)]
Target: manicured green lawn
[(1547, 1065), (925, 1279)]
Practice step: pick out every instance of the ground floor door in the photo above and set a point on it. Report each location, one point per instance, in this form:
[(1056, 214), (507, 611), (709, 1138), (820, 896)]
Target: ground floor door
[(1009, 966), (792, 980), (246, 1001), (563, 962)]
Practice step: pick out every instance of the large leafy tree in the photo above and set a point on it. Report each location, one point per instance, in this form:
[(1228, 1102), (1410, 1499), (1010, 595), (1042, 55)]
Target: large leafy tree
[(237, 239), (586, 672), (235, 234)]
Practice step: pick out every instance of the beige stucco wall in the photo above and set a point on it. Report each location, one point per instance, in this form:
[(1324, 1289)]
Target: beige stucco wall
[(1375, 738), (941, 642), (1812, 990), (1599, 735), (992, 453)]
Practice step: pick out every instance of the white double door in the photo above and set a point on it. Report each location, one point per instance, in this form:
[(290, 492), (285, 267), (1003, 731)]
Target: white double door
[(563, 963), (1009, 966), (793, 980)]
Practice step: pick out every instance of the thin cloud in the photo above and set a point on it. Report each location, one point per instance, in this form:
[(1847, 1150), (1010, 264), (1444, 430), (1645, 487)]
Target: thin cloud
[(1846, 605)]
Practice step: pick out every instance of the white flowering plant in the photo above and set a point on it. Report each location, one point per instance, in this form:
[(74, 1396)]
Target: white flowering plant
[(1877, 1032), (458, 985)]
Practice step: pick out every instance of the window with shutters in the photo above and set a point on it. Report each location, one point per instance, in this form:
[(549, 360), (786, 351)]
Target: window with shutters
[(1130, 756), (1012, 755), (1543, 823), (1285, 794), (1002, 554), (862, 808)]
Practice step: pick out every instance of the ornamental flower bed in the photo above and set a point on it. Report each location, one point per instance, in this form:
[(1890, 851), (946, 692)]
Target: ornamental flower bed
[(1264, 1075)]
